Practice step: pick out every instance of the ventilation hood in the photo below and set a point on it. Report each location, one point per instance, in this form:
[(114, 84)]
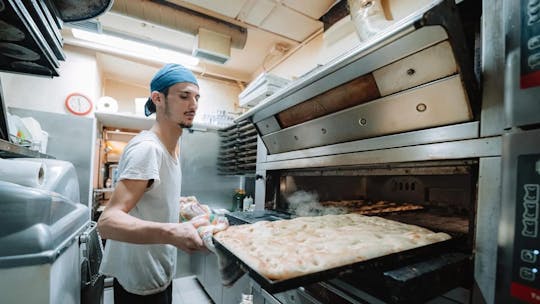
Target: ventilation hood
[(179, 18)]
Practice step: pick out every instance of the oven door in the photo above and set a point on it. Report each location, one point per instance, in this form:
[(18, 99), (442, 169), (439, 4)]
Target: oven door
[(519, 232)]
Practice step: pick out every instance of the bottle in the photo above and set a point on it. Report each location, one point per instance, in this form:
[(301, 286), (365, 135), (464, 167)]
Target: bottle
[(247, 299), (108, 183), (238, 199), (250, 203), (246, 203)]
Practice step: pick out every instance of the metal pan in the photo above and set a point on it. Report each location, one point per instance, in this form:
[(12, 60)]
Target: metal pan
[(407, 284), (383, 263), (249, 132)]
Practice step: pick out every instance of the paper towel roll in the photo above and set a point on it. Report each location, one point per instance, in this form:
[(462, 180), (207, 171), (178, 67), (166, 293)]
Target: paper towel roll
[(24, 173), (107, 104)]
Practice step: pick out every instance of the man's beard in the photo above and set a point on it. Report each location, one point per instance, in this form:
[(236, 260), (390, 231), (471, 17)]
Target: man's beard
[(182, 125), (185, 125)]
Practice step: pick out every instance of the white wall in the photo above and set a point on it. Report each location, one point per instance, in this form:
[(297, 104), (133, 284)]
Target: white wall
[(79, 73), (124, 93), (216, 95), (334, 42)]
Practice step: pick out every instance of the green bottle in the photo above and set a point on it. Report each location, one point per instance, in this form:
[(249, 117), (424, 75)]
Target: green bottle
[(238, 199)]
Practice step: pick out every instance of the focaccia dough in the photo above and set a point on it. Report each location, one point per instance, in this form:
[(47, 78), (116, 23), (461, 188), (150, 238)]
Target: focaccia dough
[(289, 248)]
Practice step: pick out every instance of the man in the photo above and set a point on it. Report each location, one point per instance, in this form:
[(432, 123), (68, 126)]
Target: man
[(141, 221)]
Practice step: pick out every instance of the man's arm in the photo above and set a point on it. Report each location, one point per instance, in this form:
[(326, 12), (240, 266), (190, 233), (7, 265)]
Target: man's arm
[(115, 223)]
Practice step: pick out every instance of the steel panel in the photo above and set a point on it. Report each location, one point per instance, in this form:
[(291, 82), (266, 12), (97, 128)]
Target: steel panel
[(472, 148), (487, 220), (440, 134), (443, 102), (334, 75)]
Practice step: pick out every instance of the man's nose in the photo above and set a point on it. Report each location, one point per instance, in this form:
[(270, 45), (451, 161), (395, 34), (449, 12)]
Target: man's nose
[(194, 104)]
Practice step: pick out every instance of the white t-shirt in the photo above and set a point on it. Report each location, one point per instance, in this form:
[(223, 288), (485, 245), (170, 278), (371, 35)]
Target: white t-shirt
[(147, 269)]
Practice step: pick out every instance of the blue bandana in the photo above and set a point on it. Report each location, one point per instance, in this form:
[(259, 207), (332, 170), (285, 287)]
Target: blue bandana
[(169, 75)]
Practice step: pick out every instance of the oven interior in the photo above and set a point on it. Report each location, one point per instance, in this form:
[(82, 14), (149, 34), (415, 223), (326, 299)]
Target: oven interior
[(437, 195)]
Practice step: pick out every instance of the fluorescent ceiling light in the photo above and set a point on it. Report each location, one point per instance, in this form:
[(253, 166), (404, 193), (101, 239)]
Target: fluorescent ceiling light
[(131, 48)]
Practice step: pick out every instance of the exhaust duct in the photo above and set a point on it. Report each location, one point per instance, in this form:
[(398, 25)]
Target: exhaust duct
[(179, 18)]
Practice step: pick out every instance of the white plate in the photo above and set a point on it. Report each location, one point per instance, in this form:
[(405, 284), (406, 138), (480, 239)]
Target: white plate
[(18, 130)]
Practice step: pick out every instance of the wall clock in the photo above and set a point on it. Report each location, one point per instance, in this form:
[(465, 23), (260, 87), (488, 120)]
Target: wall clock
[(78, 104)]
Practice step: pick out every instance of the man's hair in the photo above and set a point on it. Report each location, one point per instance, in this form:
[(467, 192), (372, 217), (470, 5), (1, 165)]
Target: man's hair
[(151, 107), (165, 91), (167, 76)]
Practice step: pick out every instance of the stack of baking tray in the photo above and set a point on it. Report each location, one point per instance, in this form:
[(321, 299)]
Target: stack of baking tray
[(238, 150), (30, 38)]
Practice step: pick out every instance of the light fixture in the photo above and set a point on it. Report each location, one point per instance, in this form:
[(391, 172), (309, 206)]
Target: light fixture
[(121, 46)]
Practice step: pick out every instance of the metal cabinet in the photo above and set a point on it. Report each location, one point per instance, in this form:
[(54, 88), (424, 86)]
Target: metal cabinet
[(212, 279), (197, 265), (205, 267)]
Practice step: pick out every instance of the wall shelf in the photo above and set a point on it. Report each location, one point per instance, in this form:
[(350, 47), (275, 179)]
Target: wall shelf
[(10, 150), (125, 121)]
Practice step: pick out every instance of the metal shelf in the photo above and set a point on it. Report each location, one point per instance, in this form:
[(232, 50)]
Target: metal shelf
[(9, 150)]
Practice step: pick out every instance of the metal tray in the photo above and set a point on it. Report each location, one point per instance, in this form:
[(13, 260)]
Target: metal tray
[(382, 263), (407, 284)]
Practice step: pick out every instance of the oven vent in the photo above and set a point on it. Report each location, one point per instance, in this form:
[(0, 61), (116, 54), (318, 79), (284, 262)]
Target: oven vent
[(213, 46), (403, 189)]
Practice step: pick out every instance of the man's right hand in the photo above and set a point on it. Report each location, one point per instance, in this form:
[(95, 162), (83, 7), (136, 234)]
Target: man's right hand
[(186, 237)]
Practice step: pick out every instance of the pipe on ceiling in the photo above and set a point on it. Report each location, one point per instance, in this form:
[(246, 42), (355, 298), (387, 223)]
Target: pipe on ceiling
[(179, 18)]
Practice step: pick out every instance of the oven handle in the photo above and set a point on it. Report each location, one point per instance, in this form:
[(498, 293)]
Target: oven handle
[(299, 291), (340, 293)]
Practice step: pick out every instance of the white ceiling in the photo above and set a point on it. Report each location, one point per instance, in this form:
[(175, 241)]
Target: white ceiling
[(268, 22)]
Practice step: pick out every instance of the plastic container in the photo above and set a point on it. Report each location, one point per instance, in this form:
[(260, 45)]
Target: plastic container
[(369, 17), (246, 203), (247, 299)]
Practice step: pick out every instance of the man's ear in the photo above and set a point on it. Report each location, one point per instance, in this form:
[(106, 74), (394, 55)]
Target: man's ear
[(156, 97)]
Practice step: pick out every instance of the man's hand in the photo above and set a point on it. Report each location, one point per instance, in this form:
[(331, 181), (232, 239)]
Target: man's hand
[(200, 220), (185, 237)]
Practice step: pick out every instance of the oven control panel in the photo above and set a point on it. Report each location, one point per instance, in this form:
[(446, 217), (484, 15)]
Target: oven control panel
[(526, 257)]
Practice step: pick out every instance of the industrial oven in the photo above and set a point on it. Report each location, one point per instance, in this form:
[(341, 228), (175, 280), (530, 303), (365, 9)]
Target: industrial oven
[(406, 126)]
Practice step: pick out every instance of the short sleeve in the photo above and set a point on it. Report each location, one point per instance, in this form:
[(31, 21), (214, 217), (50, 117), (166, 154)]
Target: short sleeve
[(141, 161)]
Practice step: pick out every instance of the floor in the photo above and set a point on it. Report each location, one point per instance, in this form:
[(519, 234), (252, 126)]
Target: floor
[(186, 290)]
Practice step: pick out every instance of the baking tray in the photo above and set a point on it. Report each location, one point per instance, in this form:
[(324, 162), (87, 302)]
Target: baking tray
[(407, 284), (382, 263)]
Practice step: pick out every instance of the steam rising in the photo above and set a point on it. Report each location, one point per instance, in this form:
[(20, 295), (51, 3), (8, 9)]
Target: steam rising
[(304, 203)]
